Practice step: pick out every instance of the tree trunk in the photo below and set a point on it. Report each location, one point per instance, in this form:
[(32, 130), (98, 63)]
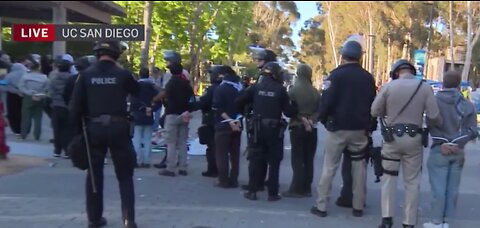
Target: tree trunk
[(331, 32), (371, 50), (147, 21), (468, 58), (452, 56), (154, 51), (194, 52), (192, 31), (389, 51), (378, 73)]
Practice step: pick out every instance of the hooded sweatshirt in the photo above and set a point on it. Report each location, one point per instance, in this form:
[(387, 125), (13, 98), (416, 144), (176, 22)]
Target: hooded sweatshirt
[(141, 101), (13, 77), (460, 120), (305, 96), (223, 99), (56, 87), (33, 83)]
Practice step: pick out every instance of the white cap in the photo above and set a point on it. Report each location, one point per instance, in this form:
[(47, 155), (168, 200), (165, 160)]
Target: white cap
[(68, 58), (358, 38), (36, 58)]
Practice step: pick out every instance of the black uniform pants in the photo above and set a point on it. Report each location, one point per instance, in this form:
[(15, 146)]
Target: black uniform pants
[(346, 194), (211, 158), (228, 148), (115, 138), (61, 129), (304, 146), (14, 112), (268, 152)]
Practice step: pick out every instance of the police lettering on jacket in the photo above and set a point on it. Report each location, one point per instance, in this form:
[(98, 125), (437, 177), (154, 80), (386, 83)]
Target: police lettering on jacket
[(266, 93), (103, 81)]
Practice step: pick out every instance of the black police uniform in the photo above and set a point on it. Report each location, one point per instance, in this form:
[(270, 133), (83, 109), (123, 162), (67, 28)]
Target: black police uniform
[(269, 99), (268, 56), (206, 132), (100, 96)]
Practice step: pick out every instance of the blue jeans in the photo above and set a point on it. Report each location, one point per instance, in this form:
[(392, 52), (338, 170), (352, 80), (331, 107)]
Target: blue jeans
[(444, 173), (143, 135), (156, 119)]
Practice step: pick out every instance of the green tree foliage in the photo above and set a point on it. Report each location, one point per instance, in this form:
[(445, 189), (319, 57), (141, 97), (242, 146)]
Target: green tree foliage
[(273, 22), (200, 31), (400, 28)]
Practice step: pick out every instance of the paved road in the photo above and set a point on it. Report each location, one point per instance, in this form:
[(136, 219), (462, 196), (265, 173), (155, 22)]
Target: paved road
[(53, 197)]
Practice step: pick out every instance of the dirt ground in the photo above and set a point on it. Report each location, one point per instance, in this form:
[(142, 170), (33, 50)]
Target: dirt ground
[(16, 164)]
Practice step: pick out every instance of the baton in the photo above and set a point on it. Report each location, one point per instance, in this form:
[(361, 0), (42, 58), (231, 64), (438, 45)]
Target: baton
[(92, 178)]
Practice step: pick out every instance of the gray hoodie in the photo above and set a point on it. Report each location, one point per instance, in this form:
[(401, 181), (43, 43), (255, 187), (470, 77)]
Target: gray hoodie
[(56, 86), (13, 77), (33, 83), (459, 119)]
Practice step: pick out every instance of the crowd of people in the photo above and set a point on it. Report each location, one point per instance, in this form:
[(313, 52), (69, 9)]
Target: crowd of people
[(34, 85), (95, 97)]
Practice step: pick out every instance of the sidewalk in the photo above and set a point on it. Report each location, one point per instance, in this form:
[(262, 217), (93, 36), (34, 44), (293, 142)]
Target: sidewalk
[(53, 197)]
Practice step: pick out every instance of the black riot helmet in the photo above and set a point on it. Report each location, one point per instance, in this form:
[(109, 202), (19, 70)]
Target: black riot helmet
[(84, 62), (214, 73), (110, 48), (172, 57), (265, 55), (273, 70), (400, 65), (352, 50)]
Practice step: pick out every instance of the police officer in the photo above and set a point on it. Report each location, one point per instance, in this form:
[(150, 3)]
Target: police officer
[(80, 64), (269, 99), (345, 112), (403, 102), (100, 98), (261, 58), (206, 132)]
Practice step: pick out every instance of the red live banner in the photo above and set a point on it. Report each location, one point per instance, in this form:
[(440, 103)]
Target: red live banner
[(33, 33)]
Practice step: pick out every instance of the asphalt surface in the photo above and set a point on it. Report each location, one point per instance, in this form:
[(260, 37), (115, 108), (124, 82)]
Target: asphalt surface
[(51, 195)]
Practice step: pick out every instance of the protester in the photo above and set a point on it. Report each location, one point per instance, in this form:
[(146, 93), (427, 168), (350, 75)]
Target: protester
[(447, 156), (4, 149), (227, 128), (141, 107), (157, 79), (14, 96), (60, 115), (180, 99), (33, 86), (303, 133)]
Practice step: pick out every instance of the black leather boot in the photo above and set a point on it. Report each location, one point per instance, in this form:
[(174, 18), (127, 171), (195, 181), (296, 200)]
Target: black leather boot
[(386, 223)]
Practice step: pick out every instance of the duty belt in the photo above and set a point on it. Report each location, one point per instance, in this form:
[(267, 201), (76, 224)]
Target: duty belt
[(270, 122), (409, 129), (107, 119)]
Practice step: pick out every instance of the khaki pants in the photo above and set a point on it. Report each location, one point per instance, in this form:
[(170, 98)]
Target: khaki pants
[(335, 143), (176, 138), (410, 153)]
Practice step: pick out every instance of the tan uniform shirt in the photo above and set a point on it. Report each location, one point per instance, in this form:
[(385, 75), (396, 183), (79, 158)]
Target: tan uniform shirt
[(396, 94)]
